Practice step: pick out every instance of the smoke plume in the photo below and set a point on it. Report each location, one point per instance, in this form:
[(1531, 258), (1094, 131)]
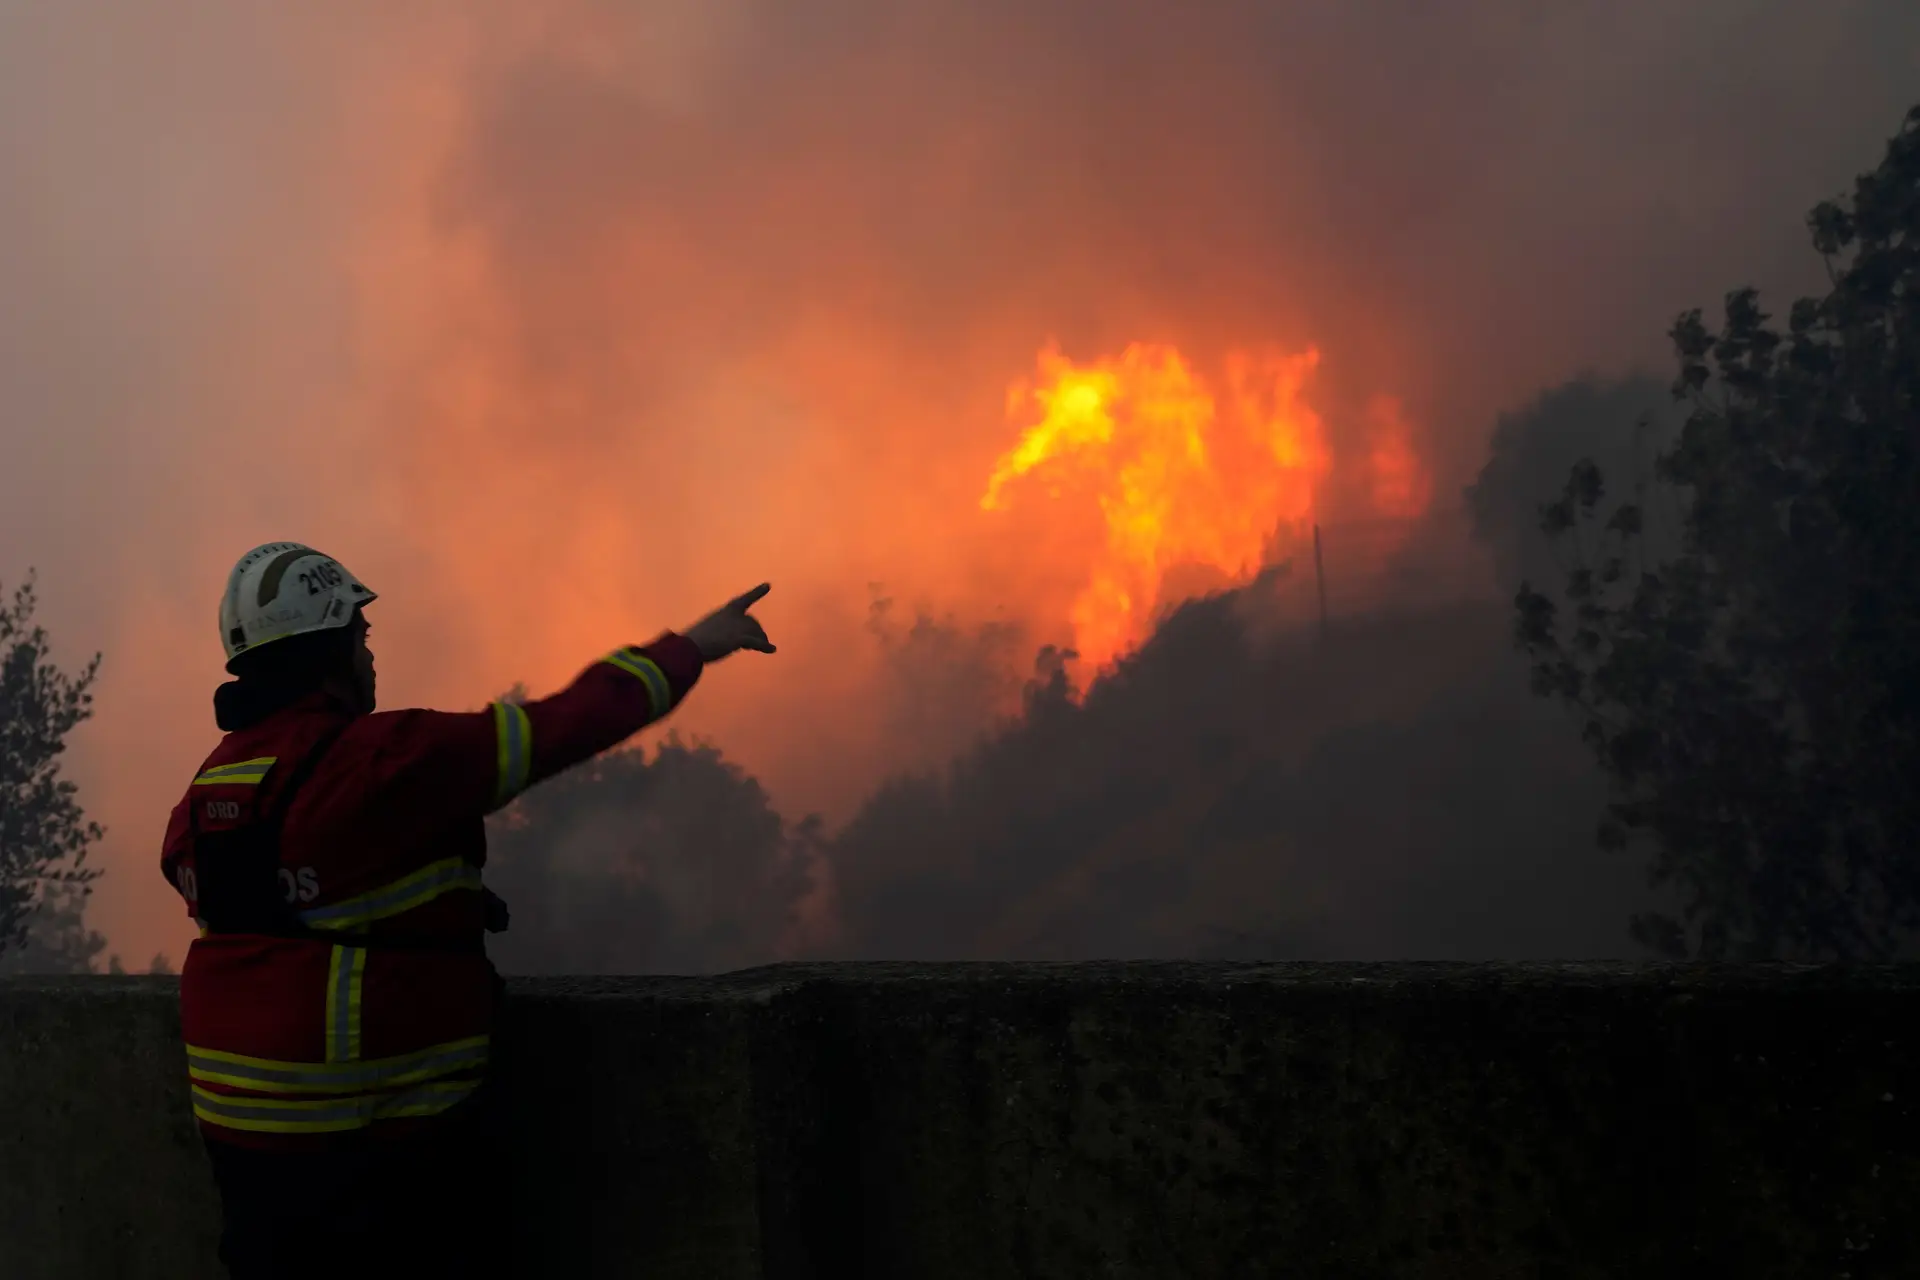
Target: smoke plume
[(561, 322)]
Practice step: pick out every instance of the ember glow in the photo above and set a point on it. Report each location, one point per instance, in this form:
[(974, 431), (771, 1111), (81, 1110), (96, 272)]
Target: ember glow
[(1187, 473)]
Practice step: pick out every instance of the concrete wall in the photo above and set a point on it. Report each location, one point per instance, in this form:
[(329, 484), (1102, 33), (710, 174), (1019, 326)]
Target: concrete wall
[(1126, 1120)]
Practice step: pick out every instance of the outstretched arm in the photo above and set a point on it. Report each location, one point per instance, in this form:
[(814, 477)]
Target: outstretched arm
[(601, 709), (479, 761), (605, 705)]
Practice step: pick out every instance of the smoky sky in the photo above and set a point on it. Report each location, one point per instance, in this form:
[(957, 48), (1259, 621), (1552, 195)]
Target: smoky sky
[(560, 322)]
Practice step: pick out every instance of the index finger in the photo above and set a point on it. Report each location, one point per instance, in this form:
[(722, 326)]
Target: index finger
[(751, 598)]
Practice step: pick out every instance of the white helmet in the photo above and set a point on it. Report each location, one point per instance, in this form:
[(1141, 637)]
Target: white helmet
[(283, 589)]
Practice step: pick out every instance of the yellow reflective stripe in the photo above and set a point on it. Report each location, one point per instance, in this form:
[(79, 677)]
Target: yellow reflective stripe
[(346, 974), (514, 734), (634, 663), (243, 772), (271, 1075), (327, 1115), (404, 894)]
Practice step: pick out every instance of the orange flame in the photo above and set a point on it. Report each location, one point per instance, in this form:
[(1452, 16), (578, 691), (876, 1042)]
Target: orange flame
[(1182, 480)]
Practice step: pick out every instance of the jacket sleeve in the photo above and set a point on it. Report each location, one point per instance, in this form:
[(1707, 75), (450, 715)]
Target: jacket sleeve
[(450, 764), (173, 847), (606, 704)]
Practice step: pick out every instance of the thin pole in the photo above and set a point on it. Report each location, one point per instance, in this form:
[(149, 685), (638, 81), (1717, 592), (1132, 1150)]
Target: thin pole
[(1320, 580)]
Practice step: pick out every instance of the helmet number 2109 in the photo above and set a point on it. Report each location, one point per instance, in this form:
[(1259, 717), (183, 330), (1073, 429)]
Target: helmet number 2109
[(322, 577)]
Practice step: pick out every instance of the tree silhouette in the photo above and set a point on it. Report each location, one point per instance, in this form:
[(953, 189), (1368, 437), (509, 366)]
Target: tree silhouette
[(1754, 695), (629, 864), (44, 834), (57, 937)]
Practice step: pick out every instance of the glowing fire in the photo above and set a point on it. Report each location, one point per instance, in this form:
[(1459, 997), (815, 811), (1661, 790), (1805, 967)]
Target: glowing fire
[(1183, 478)]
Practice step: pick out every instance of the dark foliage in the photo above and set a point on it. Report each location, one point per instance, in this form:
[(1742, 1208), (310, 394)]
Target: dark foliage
[(676, 864), (44, 834), (1753, 696)]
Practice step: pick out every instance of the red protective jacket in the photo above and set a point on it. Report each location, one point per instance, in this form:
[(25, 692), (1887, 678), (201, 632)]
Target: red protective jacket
[(294, 1039)]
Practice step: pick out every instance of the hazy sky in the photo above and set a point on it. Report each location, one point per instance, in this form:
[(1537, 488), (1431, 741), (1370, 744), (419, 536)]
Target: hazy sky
[(559, 322)]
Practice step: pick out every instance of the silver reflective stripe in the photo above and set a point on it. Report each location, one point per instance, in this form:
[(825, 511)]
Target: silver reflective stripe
[(515, 734), (240, 771), (659, 692), (635, 663), (345, 971), (297, 1077), (404, 895), (238, 766), (347, 1113), (283, 1116)]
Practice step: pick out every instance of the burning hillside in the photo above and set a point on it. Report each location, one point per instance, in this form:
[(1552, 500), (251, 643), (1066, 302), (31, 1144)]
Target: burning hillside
[(1197, 482)]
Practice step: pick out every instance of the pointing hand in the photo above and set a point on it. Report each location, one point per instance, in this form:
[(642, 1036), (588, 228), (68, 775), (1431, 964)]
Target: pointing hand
[(731, 627)]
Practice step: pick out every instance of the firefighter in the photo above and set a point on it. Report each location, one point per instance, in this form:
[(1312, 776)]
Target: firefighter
[(338, 1006)]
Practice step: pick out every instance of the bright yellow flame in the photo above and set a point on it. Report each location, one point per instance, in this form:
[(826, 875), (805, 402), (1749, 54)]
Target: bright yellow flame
[(1181, 480)]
